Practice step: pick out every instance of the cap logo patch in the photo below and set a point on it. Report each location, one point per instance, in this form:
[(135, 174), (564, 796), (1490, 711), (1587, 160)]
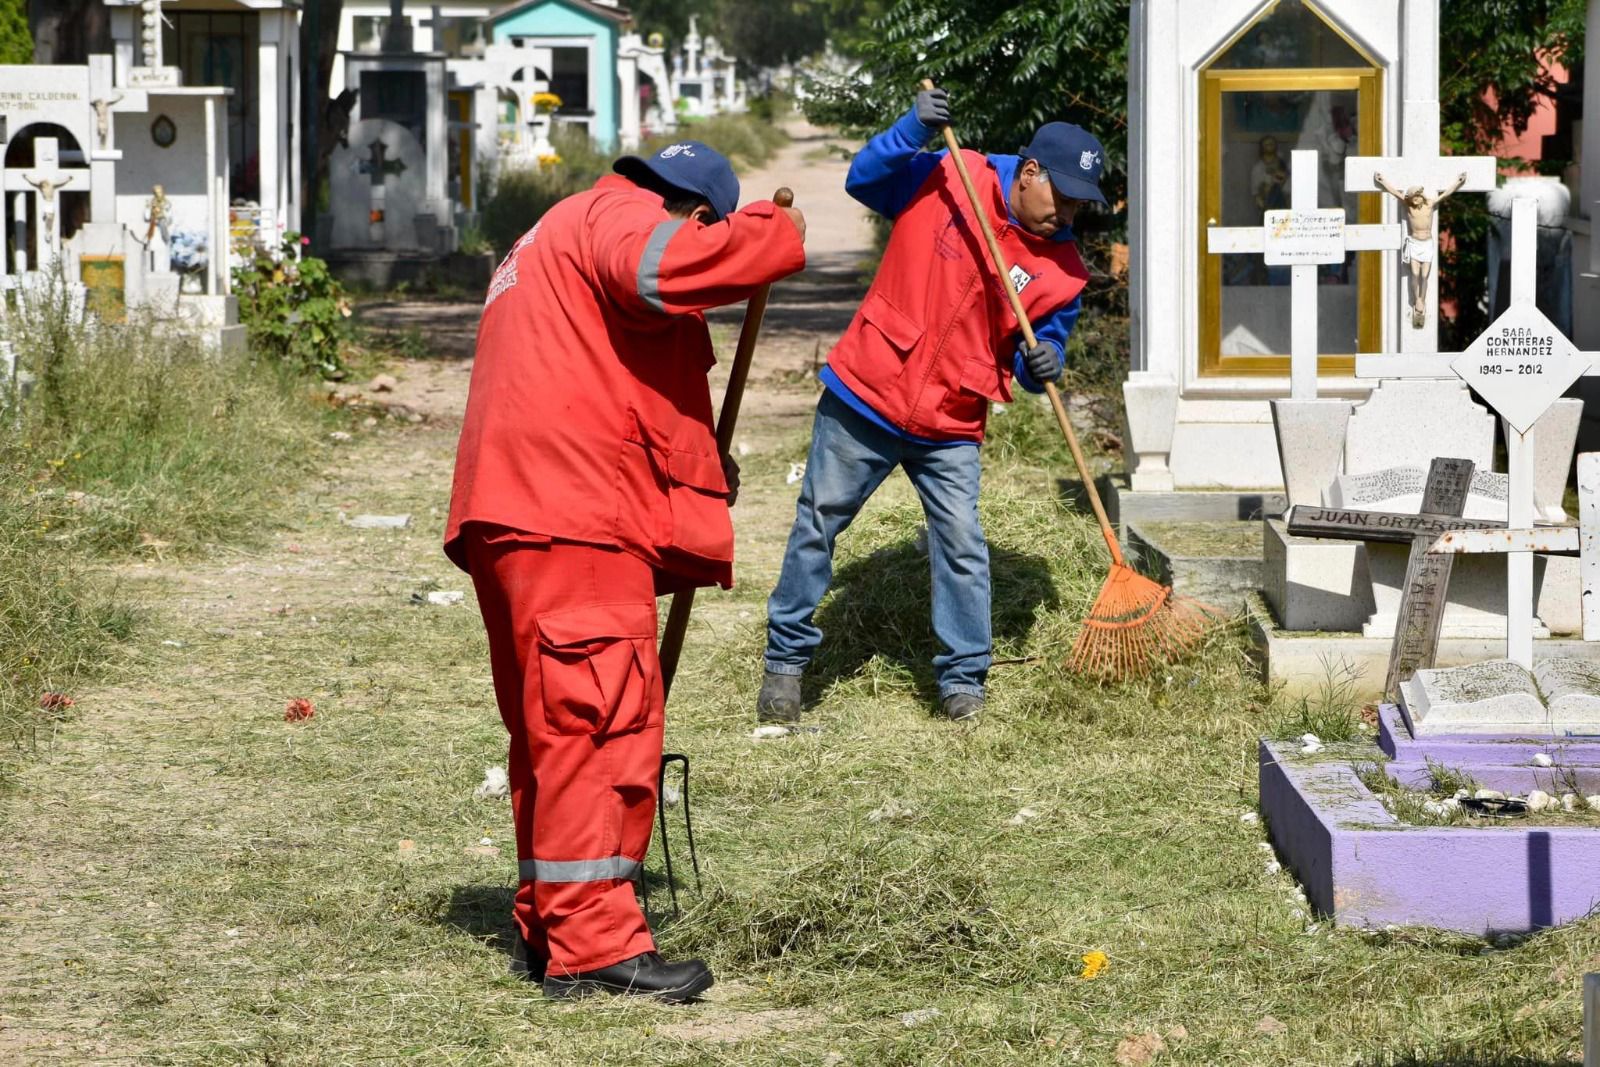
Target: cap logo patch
[(1088, 159), (677, 150)]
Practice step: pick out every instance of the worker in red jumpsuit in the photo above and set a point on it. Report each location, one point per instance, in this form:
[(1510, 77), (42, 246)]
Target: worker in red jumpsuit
[(587, 483)]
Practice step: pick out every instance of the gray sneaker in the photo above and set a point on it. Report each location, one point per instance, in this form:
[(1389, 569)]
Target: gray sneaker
[(962, 707), (779, 700)]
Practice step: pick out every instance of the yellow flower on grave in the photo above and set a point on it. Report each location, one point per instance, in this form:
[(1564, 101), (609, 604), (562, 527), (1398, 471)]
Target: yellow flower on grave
[(544, 103), (550, 160), (1093, 963)]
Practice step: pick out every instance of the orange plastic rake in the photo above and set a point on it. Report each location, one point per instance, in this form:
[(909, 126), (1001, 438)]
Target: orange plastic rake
[(1135, 622)]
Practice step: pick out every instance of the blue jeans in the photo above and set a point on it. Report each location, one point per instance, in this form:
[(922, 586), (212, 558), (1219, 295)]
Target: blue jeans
[(850, 457)]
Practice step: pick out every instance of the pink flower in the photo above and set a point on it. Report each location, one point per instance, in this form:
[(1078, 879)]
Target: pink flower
[(305, 240)]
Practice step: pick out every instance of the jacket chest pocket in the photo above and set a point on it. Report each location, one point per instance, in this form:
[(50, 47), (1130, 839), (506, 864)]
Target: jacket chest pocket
[(889, 337), (598, 671)]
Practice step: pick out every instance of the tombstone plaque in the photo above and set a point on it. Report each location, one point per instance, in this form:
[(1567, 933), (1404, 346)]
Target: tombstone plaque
[(1521, 365), (1300, 237)]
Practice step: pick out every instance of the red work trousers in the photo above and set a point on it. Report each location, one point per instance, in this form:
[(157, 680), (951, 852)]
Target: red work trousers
[(572, 645)]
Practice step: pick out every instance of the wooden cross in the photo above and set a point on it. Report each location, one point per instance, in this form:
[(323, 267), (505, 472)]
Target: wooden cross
[(1520, 366), (1303, 237), (1427, 581)]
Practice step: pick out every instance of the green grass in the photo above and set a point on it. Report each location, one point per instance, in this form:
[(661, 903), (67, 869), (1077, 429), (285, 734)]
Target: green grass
[(135, 443), (191, 880)]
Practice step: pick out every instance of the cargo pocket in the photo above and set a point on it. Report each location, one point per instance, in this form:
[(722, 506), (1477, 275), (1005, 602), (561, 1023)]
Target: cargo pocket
[(893, 334), (598, 672)]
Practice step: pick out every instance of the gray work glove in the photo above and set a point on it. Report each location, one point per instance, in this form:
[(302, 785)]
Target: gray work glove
[(933, 108), (1041, 361)]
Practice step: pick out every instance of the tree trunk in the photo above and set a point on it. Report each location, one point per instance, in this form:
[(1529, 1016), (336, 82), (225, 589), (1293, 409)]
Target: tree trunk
[(319, 40), (68, 31)]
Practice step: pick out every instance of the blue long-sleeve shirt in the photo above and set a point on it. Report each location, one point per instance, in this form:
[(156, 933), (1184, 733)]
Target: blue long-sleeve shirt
[(884, 176)]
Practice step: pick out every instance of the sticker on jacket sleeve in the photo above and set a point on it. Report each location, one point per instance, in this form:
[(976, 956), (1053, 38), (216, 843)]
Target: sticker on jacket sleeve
[(1020, 278)]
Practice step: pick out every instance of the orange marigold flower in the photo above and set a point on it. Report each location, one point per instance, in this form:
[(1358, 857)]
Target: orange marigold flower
[(1093, 963)]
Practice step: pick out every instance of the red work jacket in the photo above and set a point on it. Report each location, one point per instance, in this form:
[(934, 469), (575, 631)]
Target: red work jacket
[(588, 418), (934, 339)]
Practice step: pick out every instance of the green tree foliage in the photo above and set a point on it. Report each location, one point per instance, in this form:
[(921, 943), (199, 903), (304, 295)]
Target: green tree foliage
[(16, 41), (1491, 79), (1009, 67)]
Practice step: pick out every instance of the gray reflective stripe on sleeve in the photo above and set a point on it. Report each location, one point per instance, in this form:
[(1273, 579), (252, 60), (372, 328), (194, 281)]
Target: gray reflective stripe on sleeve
[(650, 264), (603, 870)]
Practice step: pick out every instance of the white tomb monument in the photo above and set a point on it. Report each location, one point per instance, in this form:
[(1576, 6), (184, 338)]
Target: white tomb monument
[(1239, 85)]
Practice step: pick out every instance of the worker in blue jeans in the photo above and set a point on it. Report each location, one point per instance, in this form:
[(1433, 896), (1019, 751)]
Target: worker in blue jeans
[(910, 382)]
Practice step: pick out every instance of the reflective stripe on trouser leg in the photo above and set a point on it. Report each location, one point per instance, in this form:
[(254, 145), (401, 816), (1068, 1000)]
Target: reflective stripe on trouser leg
[(601, 870)]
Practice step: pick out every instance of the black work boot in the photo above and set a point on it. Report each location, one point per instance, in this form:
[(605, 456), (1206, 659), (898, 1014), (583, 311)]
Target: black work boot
[(779, 700), (645, 975), (525, 963), (962, 707)]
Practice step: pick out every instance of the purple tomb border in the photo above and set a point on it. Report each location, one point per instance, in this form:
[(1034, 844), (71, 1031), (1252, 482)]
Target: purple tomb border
[(1363, 867)]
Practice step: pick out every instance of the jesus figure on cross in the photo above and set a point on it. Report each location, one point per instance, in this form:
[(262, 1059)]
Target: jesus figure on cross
[(1418, 249)]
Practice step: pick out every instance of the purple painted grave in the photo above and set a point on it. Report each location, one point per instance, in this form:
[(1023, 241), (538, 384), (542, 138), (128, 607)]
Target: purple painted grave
[(1362, 866)]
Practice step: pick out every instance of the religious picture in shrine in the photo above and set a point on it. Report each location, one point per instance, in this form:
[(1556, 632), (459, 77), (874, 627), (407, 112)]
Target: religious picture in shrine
[(1290, 81)]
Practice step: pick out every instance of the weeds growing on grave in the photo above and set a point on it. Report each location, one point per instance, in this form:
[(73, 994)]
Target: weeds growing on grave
[(1331, 710), (137, 439), (293, 308)]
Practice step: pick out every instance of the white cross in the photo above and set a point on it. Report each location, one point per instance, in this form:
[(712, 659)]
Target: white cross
[(1303, 237), (1520, 366)]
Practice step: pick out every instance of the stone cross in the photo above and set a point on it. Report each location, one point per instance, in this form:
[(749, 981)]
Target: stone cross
[(1302, 237), (377, 166), (1520, 366), (1427, 581)]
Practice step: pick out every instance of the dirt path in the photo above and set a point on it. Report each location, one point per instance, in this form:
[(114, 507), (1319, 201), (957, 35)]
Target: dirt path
[(181, 860)]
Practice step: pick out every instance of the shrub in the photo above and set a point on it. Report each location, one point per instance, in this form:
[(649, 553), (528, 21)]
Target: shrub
[(294, 309), (523, 195)]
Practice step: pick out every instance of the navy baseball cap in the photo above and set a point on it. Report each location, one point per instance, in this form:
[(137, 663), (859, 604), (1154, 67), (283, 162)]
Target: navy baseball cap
[(693, 167), (1074, 158)]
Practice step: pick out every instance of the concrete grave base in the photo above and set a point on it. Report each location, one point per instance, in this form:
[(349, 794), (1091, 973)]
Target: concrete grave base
[(1124, 505), (1217, 563), (1302, 660), (1361, 866)]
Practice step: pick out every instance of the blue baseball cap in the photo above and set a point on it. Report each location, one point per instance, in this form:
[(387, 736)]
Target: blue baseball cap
[(1073, 157), (693, 167)]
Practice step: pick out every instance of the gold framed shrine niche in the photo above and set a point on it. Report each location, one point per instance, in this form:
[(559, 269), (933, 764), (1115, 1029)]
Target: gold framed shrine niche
[(1289, 80)]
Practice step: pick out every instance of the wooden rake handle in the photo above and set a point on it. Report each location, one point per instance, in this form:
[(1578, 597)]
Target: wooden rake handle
[(1004, 271), (738, 375)]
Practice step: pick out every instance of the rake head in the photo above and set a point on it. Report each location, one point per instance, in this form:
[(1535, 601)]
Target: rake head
[(1136, 623)]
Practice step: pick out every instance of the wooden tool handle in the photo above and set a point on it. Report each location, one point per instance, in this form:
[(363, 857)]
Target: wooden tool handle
[(1050, 389), (671, 648)]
